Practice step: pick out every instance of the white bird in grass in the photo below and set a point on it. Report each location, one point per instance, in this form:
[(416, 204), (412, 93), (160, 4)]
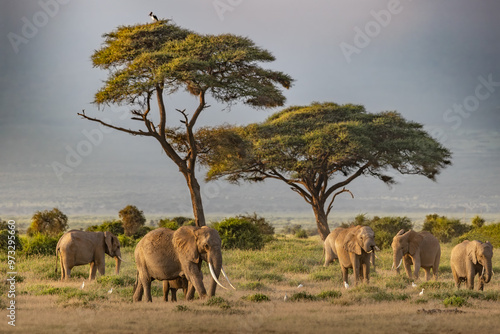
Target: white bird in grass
[(83, 285), (413, 285), (346, 285), (285, 298), (300, 286), (421, 292), (110, 290), (153, 17)]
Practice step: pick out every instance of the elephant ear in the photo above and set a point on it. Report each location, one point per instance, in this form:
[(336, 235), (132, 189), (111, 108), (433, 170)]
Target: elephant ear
[(471, 251), (184, 241), (351, 243), (414, 241), (108, 241)]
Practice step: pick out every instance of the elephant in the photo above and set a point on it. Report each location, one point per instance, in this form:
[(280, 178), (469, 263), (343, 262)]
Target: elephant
[(471, 258), (329, 246), (164, 254), (353, 247), (172, 286), (421, 249), (77, 248)]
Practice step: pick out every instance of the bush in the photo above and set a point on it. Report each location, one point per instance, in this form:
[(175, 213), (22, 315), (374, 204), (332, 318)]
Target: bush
[(444, 228), (40, 244), (142, 231), (6, 235), (114, 226), (239, 233), (455, 301), (258, 297), (126, 241), (176, 222), (301, 234), (485, 233), (47, 222)]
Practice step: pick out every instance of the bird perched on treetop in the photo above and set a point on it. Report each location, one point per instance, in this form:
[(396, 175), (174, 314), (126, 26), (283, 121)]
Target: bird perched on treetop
[(153, 17)]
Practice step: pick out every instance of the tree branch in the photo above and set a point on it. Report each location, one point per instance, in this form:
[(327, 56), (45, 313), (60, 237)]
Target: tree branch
[(333, 199), (132, 132)]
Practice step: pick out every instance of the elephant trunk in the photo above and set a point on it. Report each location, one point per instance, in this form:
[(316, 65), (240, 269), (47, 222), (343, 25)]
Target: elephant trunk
[(487, 271), (118, 259), (398, 258), (214, 260)]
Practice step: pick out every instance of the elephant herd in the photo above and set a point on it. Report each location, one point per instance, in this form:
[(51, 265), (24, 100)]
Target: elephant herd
[(175, 257), (354, 248)]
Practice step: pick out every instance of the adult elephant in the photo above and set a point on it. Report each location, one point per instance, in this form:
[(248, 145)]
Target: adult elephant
[(78, 248), (471, 258), (329, 246), (164, 254), (353, 247), (421, 249), (171, 286)]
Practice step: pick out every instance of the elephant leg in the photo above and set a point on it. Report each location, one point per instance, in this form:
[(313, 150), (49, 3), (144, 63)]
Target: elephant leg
[(427, 273), (190, 292), (174, 294), (470, 281), (93, 270), (345, 274), (456, 278), (366, 272), (145, 286), (139, 290), (407, 264), (166, 287)]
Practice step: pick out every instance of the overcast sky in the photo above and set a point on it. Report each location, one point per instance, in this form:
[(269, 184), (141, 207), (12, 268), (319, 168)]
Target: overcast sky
[(435, 62)]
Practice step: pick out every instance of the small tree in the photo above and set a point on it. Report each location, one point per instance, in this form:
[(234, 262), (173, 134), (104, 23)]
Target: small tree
[(477, 222), (47, 222), (132, 218)]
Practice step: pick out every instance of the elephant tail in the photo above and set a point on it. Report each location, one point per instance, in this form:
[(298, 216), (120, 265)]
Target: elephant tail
[(136, 282), (57, 252)]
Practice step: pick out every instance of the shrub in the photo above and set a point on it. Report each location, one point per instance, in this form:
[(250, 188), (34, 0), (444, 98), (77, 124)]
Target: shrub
[(239, 233), (489, 233), (142, 231), (265, 228), (303, 296), (455, 301), (47, 222), (331, 294), (218, 301), (176, 222), (127, 241), (444, 228), (477, 222), (40, 244), (301, 234), (114, 226), (9, 237), (132, 218), (258, 297)]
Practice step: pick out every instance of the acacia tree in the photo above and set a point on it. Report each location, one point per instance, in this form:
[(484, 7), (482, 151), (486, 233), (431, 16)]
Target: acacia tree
[(320, 149), (147, 61)]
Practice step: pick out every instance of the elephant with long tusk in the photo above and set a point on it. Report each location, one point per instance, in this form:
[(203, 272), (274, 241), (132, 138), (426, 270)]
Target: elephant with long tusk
[(164, 254)]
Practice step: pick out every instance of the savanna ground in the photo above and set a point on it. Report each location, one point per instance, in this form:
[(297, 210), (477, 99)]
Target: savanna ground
[(389, 304)]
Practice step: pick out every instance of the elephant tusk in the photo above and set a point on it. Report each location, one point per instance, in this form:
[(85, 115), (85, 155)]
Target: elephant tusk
[(399, 265), (227, 278), (213, 275), (376, 256), (121, 259), (370, 251)]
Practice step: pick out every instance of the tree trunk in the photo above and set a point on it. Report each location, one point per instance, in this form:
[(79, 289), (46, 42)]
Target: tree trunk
[(196, 201), (321, 220)]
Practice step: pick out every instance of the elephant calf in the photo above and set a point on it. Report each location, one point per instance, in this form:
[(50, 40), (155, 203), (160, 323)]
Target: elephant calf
[(471, 258), (172, 286)]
